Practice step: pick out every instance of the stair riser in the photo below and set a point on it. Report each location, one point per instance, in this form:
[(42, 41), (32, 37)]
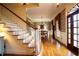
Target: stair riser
[(32, 44), (27, 40), (23, 36), (19, 33)]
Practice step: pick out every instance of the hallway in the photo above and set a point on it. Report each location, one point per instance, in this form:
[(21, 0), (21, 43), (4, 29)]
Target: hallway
[(29, 29), (54, 49)]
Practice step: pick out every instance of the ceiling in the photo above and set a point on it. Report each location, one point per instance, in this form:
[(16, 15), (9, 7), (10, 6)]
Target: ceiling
[(45, 12)]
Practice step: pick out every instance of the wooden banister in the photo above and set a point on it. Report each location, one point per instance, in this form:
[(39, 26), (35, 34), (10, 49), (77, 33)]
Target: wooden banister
[(27, 22)]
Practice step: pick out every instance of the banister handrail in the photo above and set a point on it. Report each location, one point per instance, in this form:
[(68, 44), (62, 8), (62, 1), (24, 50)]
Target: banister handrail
[(27, 22)]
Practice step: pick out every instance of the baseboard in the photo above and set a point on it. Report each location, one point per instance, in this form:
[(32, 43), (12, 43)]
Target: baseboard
[(66, 47), (61, 43), (17, 55)]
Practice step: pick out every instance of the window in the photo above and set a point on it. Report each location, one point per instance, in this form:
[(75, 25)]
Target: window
[(73, 29)]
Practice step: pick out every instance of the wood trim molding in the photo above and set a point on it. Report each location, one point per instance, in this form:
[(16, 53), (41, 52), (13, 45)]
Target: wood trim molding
[(27, 22), (17, 55)]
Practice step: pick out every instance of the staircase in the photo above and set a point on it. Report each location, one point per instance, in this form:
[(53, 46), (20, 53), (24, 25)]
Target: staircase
[(22, 35)]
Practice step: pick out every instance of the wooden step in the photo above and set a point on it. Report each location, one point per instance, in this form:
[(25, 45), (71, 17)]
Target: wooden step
[(20, 41), (19, 54)]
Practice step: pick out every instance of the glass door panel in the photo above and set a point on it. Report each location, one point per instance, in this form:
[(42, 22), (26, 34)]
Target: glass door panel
[(78, 44), (75, 37), (69, 25), (69, 30), (75, 30), (78, 16), (69, 40), (69, 20), (69, 35), (75, 17), (75, 43), (75, 24), (78, 23), (78, 30), (78, 37)]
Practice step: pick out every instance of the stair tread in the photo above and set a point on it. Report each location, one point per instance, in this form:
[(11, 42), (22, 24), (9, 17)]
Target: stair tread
[(15, 28)]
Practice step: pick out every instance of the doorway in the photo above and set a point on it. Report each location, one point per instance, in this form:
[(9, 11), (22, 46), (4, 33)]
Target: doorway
[(73, 31)]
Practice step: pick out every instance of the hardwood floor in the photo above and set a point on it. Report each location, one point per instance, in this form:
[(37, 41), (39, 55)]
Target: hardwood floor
[(54, 49)]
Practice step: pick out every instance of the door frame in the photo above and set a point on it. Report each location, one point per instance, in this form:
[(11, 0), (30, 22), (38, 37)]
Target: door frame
[(70, 46)]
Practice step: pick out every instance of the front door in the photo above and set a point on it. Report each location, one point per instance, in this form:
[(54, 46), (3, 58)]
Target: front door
[(73, 31)]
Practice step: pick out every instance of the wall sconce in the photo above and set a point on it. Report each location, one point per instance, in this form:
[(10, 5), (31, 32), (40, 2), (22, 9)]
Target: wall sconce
[(57, 5)]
